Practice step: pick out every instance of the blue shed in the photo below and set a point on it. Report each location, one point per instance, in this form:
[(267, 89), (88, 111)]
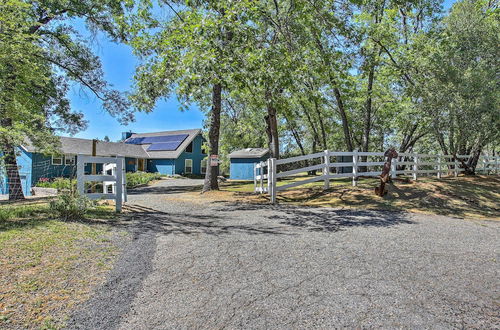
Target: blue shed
[(242, 162)]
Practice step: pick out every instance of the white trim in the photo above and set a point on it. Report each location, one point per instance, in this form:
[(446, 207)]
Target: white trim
[(185, 166), (201, 166), (69, 157), (57, 157)]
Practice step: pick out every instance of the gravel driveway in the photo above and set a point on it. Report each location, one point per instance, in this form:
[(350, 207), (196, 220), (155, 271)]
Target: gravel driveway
[(196, 265)]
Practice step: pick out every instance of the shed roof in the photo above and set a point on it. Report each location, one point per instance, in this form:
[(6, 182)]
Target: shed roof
[(249, 153), (192, 133)]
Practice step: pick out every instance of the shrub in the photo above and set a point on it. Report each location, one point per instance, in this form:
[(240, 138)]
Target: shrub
[(71, 206), (57, 183), (139, 178)]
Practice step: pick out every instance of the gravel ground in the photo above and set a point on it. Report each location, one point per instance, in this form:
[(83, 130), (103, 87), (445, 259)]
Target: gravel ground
[(195, 265)]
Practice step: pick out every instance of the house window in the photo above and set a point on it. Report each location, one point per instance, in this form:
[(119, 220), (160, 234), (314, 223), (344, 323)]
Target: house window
[(57, 160), (69, 159), (203, 166), (188, 166), (189, 148)]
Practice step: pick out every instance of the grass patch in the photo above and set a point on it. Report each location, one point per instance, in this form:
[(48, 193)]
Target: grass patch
[(48, 265), (463, 197)]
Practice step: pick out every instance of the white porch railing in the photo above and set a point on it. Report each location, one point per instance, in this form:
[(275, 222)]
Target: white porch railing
[(117, 178), (266, 174)]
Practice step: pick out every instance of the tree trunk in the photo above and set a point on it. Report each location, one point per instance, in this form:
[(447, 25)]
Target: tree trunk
[(272, 127), (368, 111), (212, 173), (367, 122), (345, 122), (13, 177), (321, 124)]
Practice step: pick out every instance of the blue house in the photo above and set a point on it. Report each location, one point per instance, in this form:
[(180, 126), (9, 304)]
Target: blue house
[(182, 153), (171, 152), (241, 162)]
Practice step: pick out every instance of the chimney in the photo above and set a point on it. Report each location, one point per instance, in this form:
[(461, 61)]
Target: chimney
[(126, 135)]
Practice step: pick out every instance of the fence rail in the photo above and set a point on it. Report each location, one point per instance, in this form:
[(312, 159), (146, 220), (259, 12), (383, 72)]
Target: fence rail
[(114, 169), (266, 174)]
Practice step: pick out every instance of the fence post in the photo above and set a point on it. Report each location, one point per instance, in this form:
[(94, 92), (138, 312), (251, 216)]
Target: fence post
[(456, 166), (439, 167), (262, 176), (415, 167), (80, 171), (326, 170), (254, 177), (271, 179), (355, 167), (124, 180), (485, 166), (119, 184), (394, 165)]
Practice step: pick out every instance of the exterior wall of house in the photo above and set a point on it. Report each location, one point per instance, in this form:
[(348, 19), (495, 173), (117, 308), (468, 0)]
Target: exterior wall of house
[(197, 156), (130, 164), (43, 168), (24, 162), (162, 166), (242, 168)]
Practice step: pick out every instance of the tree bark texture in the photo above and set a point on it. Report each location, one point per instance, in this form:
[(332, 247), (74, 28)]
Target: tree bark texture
[(272, 127), (13, 177), (212, 173)]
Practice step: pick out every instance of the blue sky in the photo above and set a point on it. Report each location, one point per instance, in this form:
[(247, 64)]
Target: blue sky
[(119, 64)]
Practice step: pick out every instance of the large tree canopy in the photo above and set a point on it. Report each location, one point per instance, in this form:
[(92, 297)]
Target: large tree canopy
[(298, 76), (41, 56)]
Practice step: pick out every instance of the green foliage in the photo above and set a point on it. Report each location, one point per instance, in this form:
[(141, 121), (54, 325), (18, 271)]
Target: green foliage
[(41, 55), (58, 183), (71, 206), (8, 212), (135, 179), (456, 79)]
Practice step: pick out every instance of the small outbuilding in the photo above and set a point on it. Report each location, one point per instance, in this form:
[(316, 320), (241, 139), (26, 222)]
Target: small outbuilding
[(242, 162)]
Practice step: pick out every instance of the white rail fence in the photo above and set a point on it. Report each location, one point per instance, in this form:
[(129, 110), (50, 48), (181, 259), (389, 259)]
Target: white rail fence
[(266, 174), (113, 177)]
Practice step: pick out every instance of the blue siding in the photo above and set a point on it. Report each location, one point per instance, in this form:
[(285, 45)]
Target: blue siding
[(242, 168), (162, 166), (35, 166), (24, 162), (197, 156), (43, 168)]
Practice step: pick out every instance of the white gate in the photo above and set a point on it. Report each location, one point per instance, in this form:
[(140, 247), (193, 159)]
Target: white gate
[(113, 176)]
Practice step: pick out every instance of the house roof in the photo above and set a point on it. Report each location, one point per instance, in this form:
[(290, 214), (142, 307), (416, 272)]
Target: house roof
[(249, 153), (76, 146), (192, 133)]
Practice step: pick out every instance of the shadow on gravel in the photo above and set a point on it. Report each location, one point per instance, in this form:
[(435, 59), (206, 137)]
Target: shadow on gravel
[(143, 220), (164, 190), (323, 219)]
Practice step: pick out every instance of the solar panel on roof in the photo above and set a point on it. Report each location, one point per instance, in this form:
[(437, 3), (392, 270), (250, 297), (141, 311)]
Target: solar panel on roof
[(157, 139), (134, 140), (165, 146)]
